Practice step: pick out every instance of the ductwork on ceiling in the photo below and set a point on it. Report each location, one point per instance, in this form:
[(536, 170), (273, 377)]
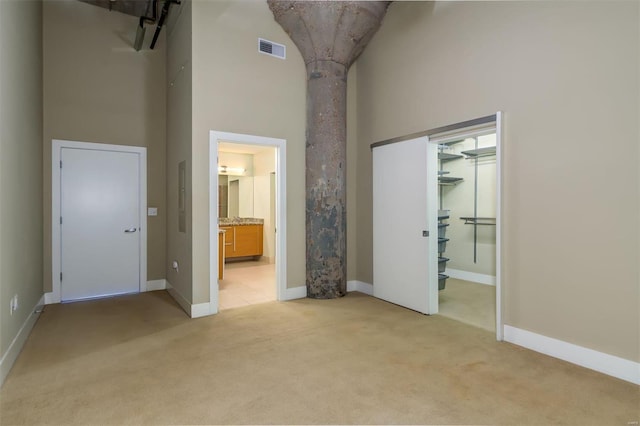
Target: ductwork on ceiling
[(146, 10)]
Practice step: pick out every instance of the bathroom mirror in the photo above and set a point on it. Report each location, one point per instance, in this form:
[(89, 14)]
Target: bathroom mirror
[(235, 196)]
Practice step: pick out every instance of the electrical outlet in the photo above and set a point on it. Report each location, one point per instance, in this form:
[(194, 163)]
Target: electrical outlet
[(13, 305)]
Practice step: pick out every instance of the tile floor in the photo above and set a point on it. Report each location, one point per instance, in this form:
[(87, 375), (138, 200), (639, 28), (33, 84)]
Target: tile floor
[(247, 283)]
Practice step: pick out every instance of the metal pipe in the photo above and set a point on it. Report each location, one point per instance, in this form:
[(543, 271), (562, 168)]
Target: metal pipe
[(163, 16)]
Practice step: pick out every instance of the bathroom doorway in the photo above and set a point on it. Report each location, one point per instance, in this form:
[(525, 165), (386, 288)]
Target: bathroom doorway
[(247, 173)]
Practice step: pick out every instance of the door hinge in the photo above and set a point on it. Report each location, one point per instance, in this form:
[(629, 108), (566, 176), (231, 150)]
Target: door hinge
[(60, 220), (60, 163), (60, 276)]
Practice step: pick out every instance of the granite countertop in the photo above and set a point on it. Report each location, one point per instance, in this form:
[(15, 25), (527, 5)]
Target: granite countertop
[(235, 221)]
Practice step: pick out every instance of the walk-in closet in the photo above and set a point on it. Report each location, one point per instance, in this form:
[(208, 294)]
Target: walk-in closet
[(467, 229)]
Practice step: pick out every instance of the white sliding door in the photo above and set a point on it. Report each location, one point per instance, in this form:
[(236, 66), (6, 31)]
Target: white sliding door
[(401, 238)]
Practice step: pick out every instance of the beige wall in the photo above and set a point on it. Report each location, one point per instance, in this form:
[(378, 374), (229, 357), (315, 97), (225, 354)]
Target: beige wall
[(97, 88), (20, 163), (239, 90), (566, 76), (179, 124)]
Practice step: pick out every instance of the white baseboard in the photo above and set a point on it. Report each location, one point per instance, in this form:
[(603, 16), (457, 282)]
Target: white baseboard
[(301, 292), (201, 310), (154, 285), (295, 293), (360, 286), (10, 356), (193, 310), (151, 285), (50, 298), (604, 363), (471, 276)]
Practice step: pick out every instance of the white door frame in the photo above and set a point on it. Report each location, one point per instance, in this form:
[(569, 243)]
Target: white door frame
[(281, 208), (460, 132), (57, 145)]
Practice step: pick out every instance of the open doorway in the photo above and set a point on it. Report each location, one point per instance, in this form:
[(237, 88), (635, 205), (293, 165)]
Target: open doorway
[(247, 219), (467, 222)]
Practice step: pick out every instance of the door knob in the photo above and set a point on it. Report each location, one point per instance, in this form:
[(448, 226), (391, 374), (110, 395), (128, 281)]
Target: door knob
[(134, 229)]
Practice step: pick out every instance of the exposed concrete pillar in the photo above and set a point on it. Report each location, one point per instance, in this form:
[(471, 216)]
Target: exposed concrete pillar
[(330, 35)]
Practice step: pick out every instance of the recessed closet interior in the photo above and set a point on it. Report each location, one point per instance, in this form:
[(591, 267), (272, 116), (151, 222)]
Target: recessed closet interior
[(467, 229)]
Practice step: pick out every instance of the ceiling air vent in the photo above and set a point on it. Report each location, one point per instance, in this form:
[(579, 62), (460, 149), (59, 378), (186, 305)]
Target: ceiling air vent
[(270, 48)]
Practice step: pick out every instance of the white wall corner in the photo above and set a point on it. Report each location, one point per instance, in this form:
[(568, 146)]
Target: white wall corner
[(295, 293), (154, 285), (360, 286), (611, 365), (10, 356)]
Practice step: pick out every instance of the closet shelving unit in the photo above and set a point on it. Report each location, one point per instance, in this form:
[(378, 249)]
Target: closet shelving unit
[(443, 215), (480, 152), (474, 220), (479, 220), (474, 154), (448, 181), (445, 156)]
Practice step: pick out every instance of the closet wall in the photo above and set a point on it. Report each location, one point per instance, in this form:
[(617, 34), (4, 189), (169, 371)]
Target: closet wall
[(459, 199)]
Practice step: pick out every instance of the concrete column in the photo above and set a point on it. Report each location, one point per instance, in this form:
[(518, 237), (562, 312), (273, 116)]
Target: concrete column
[(330, 36)]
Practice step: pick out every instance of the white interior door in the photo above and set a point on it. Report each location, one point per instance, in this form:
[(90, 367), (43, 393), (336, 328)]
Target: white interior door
[(100, 223), (401, 264)]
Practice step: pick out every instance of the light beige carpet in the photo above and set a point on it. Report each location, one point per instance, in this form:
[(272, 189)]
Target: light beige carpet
[(356, 360)]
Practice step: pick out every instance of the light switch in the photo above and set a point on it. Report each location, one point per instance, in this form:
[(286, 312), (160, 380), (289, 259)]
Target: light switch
[(152, 211)]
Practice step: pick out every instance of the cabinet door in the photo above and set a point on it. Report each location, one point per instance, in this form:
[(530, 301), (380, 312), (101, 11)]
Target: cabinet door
[(229, 241), (248, 240)]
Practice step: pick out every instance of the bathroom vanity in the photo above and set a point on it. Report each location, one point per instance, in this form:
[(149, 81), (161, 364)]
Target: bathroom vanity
[(243, 237)]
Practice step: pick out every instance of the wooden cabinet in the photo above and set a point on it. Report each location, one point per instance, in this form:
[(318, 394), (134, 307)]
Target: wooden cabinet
[(243, 241)]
